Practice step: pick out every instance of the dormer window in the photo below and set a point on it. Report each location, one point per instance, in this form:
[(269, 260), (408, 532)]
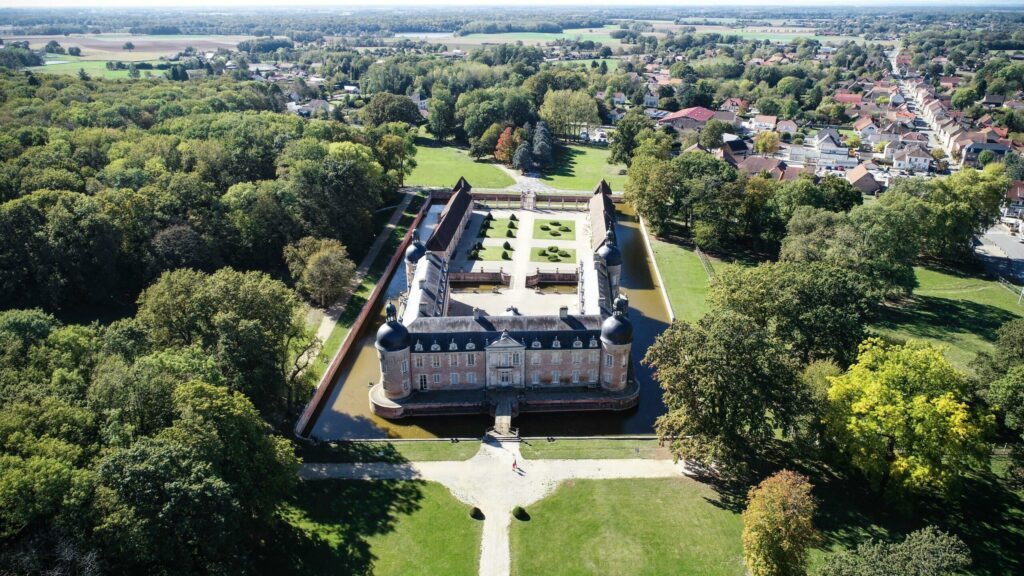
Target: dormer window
[(536, 343), (577, 343), (419, 346), (556, 344), (435, 347), (453, 346), (470, 346), (593, 342)]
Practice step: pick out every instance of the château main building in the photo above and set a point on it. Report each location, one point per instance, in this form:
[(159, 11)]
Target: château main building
[(529, 341)]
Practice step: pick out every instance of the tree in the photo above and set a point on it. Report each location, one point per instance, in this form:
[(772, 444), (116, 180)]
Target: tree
[(778, 526), (74, 51), (385, 107), (321, 268), (487, 142), (903, 416), (128, 46), (523, 158), (506, 147), (925, 552), (766, 143), (710, 137), (543, 145), (441, 121), (567, 111), (624, 138), (395, 149), (728, 383)]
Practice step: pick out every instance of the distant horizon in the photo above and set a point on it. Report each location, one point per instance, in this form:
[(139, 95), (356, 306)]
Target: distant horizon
[(596, 4)]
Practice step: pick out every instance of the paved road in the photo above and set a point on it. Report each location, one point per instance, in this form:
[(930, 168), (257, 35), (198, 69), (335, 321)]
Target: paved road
[(488, 482), (1002, 253)]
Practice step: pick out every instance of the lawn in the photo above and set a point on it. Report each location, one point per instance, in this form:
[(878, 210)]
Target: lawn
[(441, 166), (385, 528), (576, 449), (958, 311), (500, 229), (582, 167), (565, 255), (659, 526), (686, 282), (494, 253), (554, 230), (383, 451)]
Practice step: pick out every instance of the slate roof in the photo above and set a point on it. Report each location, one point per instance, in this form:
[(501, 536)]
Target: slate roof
[(448, 223), (462, 330), (602, 215)]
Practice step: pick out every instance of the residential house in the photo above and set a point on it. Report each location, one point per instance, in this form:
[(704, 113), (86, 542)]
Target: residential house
[(729, 118), (848, 99), (830, 151), (734, 105), (786, 126), (1014, 206), (865, 127), (992, 101), (863, 180), (913, 159), (971, 152), (772, 167), (688, 118), (763, 123)]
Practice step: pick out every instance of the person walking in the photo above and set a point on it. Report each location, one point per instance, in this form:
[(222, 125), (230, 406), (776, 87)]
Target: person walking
[(515, 466)]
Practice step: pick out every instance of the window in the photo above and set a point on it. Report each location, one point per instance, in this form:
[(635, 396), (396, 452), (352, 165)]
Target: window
[(536, 377), (535, 359), (595, 356), (419, 361), (622, 378), (453, 359), (608, 360), (575, 376), (556, 344), (435, 361), (504, 378), (423, 381), (470, 346), (577, 343), (555, 376), (453, 346), (470, 359), (405, 366), (576, 359), (455, 378), (515, 358), (437, 378), (556, 358), (435, 347), (471, 377), (592, 376), (536, 344), (593, 342), (625, 357), (419, 347)]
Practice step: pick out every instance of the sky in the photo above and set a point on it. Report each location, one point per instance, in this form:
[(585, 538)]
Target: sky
[(342, 4)]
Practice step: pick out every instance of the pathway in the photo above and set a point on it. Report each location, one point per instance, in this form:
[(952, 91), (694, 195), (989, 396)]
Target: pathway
[(488, 482), (333, 313)]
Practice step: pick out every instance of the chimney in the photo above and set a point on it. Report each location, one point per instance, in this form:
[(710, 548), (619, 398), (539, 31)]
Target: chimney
[(563, 312), (478, 313)]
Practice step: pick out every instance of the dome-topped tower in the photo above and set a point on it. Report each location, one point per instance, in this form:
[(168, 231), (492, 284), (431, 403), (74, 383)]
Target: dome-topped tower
[(611, 256), (392, 336), (617, 329), (413, 254), (617, 340)]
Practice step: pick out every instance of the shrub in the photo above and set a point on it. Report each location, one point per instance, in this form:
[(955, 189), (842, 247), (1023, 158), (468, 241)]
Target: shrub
[(542, 252), (505, 256), (519, 513), (556, 223), (565, 229), (488, 217), (476, 514), (511, 225), (507, 245), (555, 233), (563, 254), (513, 218), (545, 227), (553, 249), (510, 234), (553, 258)]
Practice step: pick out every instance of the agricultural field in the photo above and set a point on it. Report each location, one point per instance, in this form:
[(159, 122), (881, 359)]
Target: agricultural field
[(602, 35), (105, 47), (63, 64)]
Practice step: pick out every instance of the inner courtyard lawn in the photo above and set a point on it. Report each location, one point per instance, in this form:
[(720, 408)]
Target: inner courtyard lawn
[(582, 167), (442, 165), (386, 528), (500, 229), (636, 527), (555, 230), (492, 253), (564, 255)]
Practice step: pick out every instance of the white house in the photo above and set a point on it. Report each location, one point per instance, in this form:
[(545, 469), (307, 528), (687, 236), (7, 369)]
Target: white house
[(913, 159)]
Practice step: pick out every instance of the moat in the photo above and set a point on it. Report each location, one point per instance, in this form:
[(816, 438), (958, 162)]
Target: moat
[(347, 413)]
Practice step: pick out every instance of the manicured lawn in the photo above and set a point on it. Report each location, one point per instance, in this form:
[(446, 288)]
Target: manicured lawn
[(959, 311), (636, 527), (570, 449), (385, 528), (500, 229), (539, 233), (582, 167), (565, 255), (417, 451), (493, 253), (442, 166), (686, 282)]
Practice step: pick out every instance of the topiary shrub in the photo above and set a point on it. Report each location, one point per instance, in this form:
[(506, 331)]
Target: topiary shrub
[(511, 225), (556, 223), (507, 245), (520, 513), (513, 218), (563, 254), (553, 249), (553, 258), (565, 229), (510, 234), (505, 256), (542, 252), (476, 514), (555, 233), (545, 227)]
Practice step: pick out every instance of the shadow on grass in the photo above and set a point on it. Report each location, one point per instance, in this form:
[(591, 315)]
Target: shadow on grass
[(329, 521), (564, 163), (933, 317)]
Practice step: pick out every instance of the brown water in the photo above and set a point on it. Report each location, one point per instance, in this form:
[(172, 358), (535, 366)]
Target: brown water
[(348, 412)]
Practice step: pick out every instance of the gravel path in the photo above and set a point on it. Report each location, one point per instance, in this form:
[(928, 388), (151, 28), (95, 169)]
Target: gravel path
[(488, 482)]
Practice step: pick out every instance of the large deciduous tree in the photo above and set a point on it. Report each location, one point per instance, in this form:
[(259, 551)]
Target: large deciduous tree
[(778, 526), (925, 552), (625, 138), (385, 107)]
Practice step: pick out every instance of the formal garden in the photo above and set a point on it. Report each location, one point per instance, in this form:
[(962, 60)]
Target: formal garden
[(554, 229)]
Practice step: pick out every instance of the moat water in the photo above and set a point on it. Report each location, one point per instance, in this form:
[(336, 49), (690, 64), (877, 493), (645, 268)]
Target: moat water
[(348, 415)]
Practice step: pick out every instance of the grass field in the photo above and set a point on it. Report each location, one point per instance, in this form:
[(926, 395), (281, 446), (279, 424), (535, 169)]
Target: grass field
[(599, 34), (387, 528), (586, 62), (105, 47), (554, 226), (636, 527), (576, 449), (582, 167), (383, 451), (494, 253), (442, 165), (686, 282), (565, 255), (958, 311), (94, 68), (500, 229)]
